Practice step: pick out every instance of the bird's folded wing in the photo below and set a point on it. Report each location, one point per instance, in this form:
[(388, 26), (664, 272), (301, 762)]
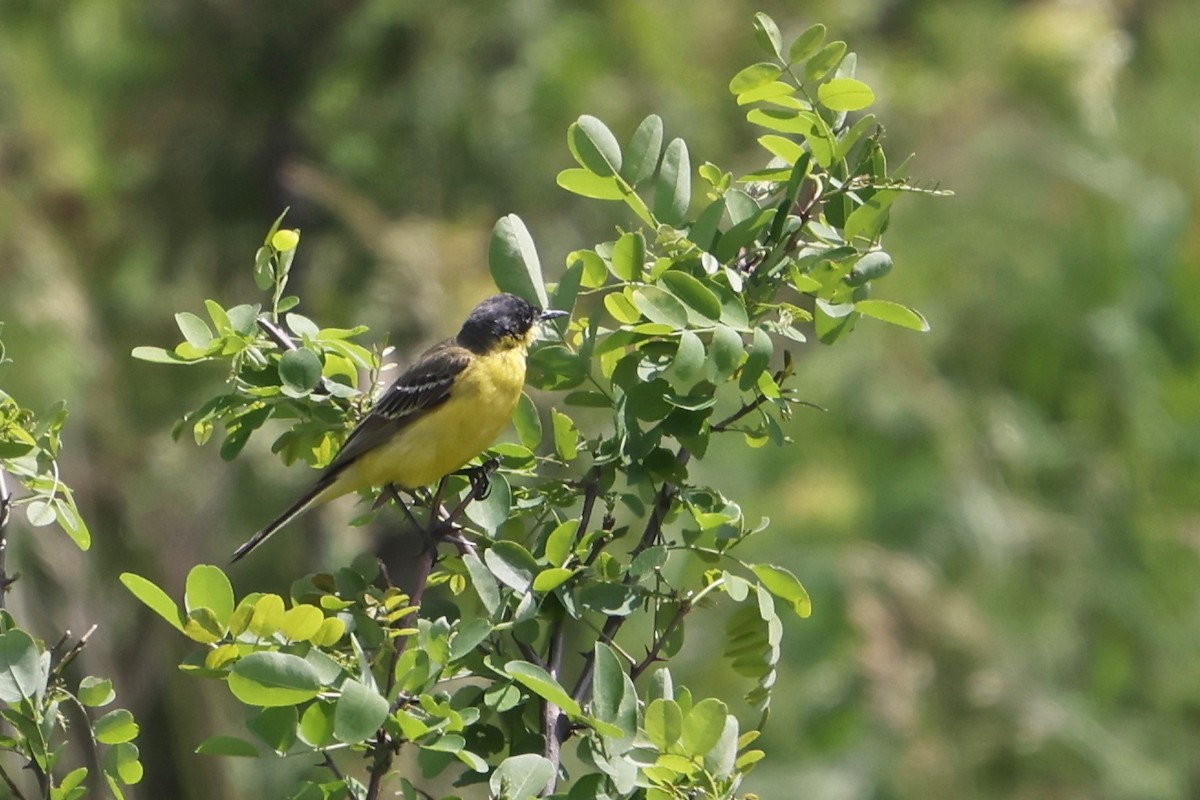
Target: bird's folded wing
[(421, 388)]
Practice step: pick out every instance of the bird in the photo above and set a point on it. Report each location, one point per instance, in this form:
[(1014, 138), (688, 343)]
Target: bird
[(439, 413)]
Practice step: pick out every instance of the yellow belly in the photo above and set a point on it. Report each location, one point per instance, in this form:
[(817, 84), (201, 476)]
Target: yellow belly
[(480, 406)]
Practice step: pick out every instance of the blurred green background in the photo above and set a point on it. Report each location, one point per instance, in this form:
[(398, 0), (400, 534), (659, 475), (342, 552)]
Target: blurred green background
[(998, 521)]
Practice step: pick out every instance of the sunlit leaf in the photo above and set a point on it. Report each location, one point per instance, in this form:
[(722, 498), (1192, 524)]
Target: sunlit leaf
[(894, 313), (513, 261)]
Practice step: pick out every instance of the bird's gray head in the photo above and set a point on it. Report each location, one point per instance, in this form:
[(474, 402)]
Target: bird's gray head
[(503, 320)]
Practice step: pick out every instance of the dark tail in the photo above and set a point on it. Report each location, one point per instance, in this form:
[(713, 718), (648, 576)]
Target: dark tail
[(296, 509)]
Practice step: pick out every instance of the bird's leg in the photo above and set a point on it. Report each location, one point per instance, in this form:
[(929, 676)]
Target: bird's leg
[(480, 477), (435, 507), (390, 492)]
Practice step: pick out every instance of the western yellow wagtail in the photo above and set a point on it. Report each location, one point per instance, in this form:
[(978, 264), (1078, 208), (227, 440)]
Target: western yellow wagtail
[(438, 415)]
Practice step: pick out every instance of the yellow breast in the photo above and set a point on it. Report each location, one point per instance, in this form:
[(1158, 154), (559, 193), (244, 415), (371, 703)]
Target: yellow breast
[(480, 406)]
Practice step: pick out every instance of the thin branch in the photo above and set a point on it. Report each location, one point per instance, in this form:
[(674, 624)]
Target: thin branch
[(590, 492), (724, 424), (664, 501), (385, 747), (759, 399), (277, 334), (555, 724), (332, 766), (652, 654), (5, 511), (73, 652)]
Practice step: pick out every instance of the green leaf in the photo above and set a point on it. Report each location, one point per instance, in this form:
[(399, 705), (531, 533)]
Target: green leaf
[(511, 564), (538, 681), (594, 146), (614, 698), (95, 692), (21, 676), (115, 727), (725, 352), (595, 273), (154, 598), (267, 617), (316, 724), (561, 541), (867, 221), (806, 44), (566, 435), (621, 308), (629, 256), (201, 625), (551, 578), (607, 597), (284, 240), (826, 59), (721, 759), (158, 355), (301, 623), (894, 313), (300, 371), (208, 587), (513, 261), (787, 149), (873, 265), (521, 777), (40, 513), (688, 365), (845, 94), (775, 119), (641, 156), (359, 713), (492, 511), (660, 306), (775, 92), (121, 761), (663, 722), (703, 725), (580, 181), (194, 329), (784, 585), (673, 189), (69, 519), (692, 292), (566, 293), (71, 786), (759, 356), (766, 33), (469, 636), (484, 583), (269, 679), (227, 746), (528, 422), (754, 76), (276, 727)]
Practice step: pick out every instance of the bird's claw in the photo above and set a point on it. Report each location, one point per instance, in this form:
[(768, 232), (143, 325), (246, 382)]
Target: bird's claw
[(480, 477)]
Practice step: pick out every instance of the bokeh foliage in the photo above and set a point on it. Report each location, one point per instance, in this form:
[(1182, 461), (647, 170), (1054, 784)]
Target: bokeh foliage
[(997, 521)]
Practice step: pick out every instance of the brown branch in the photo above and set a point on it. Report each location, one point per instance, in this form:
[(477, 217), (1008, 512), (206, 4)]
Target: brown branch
[(385, 747), (277, 334), (664, 501), (332, 766), (661, 640), (71, 654), (555, 724), (724, 424), (5, 512)]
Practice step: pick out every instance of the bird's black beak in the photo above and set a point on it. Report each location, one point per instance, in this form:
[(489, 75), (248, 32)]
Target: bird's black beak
[(552, 314)]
